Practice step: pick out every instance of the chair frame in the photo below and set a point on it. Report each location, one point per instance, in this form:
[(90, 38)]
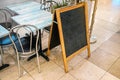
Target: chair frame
[(2, 45), (15, 47), (48, 5)]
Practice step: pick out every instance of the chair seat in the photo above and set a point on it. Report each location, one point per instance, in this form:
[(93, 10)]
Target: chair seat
[(6, 25), (6, 39)]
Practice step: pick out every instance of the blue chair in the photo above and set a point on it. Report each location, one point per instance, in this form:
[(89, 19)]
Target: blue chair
[(5, 42), (6, 39)]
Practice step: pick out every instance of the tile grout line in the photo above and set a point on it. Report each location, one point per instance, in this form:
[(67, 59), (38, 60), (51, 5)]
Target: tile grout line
[(73, 76), (110, 68), (108, 21), (63, 69)]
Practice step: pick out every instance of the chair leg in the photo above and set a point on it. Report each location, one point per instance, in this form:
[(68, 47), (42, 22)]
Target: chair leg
[(18, 63), (38, 62), (1, 51)]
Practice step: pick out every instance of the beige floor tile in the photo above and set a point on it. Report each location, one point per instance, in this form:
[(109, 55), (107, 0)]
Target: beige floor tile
[(28, 66), (102, 33), (6, 57), (102, 59), (67, 77), (12, 72), (115, 38), (109, 11), (32, 64), (84, 54), (75, 61), (94, 46), (56, 56), (106, 25), (109, 76), (115, 69), (87, 71), (8, 73), (26, 77), (111, 48), (109, 16), (49, 70)]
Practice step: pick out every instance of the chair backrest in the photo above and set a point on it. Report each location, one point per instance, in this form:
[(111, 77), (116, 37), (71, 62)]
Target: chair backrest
[(27, 39), (41, 1), (5, 18), (48, 5)]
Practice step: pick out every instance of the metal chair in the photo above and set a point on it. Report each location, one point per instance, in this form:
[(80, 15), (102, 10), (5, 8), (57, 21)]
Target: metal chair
[(5, 42), (27, 43), (5, 22), (48, 6), (5, 17)]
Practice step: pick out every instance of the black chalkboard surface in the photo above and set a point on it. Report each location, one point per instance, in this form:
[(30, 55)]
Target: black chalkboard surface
[(74, 29), (71, 31)]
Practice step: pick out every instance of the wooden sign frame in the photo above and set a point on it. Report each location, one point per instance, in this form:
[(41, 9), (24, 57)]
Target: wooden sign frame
[(57, 18)]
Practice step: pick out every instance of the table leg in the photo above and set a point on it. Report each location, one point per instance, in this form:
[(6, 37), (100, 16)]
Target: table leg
[(3, 65), (41, 52)]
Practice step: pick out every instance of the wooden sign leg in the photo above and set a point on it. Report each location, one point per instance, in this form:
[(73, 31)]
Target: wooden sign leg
[(87, 29), (65, 63), (88, 49), (48, 52)]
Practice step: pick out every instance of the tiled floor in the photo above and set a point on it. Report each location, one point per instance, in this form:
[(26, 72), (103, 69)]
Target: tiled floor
[(104, 63)]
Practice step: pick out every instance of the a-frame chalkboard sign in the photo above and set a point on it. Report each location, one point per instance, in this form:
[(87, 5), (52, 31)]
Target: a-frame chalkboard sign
[(70, 30)]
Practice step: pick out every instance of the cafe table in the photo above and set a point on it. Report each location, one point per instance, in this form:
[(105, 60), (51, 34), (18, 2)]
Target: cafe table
[(30, 12), (40, 19), (25, 7), (3, 32)]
